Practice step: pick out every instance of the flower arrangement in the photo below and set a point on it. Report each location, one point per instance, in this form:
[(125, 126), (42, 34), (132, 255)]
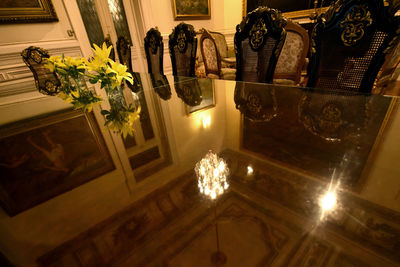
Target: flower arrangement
[(73, 74)]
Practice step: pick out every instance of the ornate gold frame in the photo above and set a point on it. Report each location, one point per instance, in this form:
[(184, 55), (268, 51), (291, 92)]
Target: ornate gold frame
[(44, 13), (192, 16), (187, 108), (290, 15)]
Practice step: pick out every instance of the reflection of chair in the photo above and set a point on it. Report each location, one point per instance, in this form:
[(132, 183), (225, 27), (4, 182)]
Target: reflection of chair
[(349, 45), (46, 82), (161, 86), (333, 117), (188, 90), (293, 55), (182, 48), (212, 59), (256, 101), (154, 48), (259, 39)]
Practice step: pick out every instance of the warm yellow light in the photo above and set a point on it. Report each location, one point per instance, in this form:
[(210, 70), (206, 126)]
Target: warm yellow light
[(328, 201), (206, 121), (212, 173), (249, 170)]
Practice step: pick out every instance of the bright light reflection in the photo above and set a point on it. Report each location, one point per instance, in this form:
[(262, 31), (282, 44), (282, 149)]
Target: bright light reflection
[(206, 120), (212, 173), (249, 170), (328, 201)]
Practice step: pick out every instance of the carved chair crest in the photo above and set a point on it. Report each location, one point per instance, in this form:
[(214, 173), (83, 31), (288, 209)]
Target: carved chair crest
[(350, 42), (263, 28), (45, 81)]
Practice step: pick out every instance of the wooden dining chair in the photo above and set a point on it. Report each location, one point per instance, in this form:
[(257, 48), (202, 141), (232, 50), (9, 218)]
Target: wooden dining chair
[(293, 55), (258, 41), (182, 48), (125, 57), (212, 59), (349, 44), (154, 49)]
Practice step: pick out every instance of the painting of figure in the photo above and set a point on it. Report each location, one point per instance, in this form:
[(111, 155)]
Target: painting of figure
[(38, 163)]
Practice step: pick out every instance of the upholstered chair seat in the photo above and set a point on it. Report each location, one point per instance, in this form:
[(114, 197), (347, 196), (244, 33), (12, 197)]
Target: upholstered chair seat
[(228, 59), (212, 59), (292, 58)]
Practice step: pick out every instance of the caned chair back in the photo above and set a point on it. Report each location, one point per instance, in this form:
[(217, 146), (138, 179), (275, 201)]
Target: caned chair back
[(182, 48), (258, 42), (349, 44)]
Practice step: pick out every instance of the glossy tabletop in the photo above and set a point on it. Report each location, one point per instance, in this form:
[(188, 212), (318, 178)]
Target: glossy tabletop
[(314, 180)]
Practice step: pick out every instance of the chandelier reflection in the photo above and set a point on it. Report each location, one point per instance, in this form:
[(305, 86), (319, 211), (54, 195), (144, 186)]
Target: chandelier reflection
[(212, 173)]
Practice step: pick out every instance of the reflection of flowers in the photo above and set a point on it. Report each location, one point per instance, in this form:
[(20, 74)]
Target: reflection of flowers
[(121, 117), (99, 69)]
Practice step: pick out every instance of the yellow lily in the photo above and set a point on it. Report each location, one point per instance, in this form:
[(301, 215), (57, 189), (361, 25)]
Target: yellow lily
[(120, 73), (103, 53)]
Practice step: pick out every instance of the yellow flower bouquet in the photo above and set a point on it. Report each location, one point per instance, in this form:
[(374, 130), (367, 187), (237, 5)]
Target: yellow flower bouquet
[(73, 73)]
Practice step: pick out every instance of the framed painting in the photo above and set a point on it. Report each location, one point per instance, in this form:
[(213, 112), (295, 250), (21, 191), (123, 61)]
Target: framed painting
[(191, 9), (24, 11), (208, 97), (44, 157), (290, 8)]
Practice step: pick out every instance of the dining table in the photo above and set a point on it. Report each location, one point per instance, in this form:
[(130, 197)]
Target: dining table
[(252, 174)]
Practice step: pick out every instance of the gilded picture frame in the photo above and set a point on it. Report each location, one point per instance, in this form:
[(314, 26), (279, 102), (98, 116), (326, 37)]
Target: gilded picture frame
[(27, 11), (195, 9), (297, 14), (44, 157), (208, 97)]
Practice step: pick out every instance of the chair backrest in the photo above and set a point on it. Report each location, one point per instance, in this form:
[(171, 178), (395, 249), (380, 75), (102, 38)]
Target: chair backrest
[(125, 57), (349, 44), (210, 54), (154, 49), (109, 43), (124, 52), (182, 49), (293, 54), (258, 41), (219, 39), (46, 81)]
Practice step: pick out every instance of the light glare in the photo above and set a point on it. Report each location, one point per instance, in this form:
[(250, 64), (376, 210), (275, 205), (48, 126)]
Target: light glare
[(249, 170), (328, 201), (206, 121)]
